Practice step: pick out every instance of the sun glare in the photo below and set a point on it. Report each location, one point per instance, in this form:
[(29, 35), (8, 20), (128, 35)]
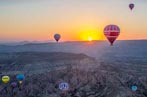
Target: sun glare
[(90, 34), (89, 38)]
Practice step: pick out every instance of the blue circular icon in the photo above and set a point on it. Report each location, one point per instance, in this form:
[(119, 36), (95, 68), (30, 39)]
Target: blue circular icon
[(63, 86), (134, 88)]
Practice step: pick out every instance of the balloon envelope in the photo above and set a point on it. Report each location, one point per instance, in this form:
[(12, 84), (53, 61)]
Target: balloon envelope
[(13, 84), (131, 6), (134, 88), (57, 37), (111, 32), (64, 86), (5, 79), (20, 77)]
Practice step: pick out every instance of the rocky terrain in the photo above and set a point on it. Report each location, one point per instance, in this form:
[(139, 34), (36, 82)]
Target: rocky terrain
[(86, 77), (40, 62)]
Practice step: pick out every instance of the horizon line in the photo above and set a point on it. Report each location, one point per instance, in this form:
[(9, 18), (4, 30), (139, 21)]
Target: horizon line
[(53, 41)]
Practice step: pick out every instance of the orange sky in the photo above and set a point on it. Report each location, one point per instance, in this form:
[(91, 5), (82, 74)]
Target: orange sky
[(74, 20)]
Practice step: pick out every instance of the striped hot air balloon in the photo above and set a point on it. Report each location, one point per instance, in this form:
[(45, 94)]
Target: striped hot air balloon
[(111, 32), (5, 79)]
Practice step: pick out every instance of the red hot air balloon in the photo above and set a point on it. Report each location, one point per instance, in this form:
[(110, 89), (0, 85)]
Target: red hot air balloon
[(57, 37), (111, 32), (131, 6)]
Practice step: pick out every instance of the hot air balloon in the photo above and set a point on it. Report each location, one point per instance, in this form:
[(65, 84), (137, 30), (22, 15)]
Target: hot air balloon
[(20, 77), (111, 32), (64, 86), (134, 88), (57, 37), (13, 84), (131, 6), (5, 79)]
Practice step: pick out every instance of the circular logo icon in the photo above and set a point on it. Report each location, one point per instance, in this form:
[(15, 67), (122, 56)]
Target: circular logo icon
[(64, 86)]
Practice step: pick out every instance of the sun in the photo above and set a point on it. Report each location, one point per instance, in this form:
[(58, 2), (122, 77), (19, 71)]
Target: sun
[(89, 38), (90, 35)]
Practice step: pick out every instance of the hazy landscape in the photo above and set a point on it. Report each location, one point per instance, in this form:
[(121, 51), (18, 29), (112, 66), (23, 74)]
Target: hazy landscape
[(73, 48), (92, 69)]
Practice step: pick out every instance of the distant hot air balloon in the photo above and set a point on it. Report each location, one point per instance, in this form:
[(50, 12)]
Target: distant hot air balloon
[(134, 88), (13, 84), (20, 77), (5, 79), (111, 32), (131, 6), (57, 37), (64, 86)]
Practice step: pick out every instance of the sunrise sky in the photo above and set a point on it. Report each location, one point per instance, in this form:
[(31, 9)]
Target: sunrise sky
[(75, 20)]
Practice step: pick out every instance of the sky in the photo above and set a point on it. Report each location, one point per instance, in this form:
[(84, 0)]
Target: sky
[(75, 20)]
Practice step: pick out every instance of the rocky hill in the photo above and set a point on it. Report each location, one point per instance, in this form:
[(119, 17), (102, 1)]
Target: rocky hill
[(86, 77), (40, 62)]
